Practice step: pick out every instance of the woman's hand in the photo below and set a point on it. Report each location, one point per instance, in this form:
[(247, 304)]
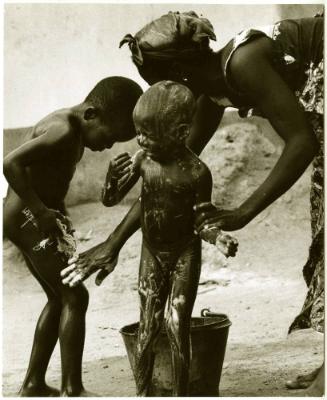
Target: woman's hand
[(98, 258), (207, 215)]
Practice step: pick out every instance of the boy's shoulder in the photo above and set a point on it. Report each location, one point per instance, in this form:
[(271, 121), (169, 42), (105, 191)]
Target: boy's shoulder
[(59, 126)]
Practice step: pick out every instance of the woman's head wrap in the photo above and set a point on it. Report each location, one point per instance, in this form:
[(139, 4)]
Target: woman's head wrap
[(174, 35)]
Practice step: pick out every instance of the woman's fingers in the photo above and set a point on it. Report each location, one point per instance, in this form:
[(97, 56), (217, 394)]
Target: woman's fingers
[(202, 207), (66, 271), (73, 259), (208, 223), (78, 278)]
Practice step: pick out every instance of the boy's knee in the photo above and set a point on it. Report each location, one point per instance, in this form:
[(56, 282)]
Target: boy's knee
[(77, 298)]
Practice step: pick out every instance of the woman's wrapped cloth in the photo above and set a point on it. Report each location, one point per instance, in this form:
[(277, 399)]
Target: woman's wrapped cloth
[(174, 35)]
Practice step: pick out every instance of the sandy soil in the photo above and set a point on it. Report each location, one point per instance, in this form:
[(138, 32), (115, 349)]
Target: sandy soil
[(261, 290)]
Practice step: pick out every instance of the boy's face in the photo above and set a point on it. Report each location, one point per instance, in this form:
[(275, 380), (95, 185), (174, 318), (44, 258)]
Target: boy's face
[(99, 136)]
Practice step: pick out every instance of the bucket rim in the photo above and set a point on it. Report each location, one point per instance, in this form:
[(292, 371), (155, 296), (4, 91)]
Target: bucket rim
[(211, 323)]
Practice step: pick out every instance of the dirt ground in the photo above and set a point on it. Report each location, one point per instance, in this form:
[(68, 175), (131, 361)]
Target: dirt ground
[(261, 289)]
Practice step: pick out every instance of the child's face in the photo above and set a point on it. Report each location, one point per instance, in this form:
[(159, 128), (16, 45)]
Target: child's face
[(159, 146)]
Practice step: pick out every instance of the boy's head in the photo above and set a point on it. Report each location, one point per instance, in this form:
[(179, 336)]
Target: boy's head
[(162, 118), (108, 113)]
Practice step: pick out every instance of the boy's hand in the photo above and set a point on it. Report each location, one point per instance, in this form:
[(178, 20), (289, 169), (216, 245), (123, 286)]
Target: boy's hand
[(118, 167), (83, 265), (206, 214), (47, 222)]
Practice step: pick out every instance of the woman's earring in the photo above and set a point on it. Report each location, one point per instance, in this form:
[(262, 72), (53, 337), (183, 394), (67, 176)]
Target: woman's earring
[(184, 79)]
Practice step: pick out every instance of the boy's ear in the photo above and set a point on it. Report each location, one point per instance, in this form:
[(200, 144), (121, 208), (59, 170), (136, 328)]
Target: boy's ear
[(90, 113), (183, 131)]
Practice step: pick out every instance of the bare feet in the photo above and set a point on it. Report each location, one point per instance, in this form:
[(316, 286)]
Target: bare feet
[(302, 381), (38, 391), (317, 388), (82, 393)]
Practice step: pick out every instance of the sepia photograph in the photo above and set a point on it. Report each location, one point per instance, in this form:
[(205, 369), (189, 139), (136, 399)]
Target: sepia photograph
[(163, 200)]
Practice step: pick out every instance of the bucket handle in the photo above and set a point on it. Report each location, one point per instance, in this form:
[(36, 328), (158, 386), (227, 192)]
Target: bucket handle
[(205, 312)]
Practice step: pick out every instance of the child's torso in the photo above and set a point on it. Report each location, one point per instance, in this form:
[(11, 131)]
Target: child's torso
[(167, 200)]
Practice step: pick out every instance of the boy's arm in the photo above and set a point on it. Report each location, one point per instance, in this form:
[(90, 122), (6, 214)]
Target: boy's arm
[(212, 233), (37, 150), (123, 173)]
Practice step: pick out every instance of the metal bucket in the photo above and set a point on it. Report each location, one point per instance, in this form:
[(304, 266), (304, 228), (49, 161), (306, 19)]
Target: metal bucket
[(208, 338)]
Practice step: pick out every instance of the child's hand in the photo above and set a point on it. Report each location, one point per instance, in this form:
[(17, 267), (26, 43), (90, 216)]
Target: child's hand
[(118, 167), (225, 243), (83, 265), (47, 222)]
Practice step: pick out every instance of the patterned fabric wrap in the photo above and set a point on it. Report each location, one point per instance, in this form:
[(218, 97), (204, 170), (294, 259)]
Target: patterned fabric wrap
[(312, 314), (173, 35)]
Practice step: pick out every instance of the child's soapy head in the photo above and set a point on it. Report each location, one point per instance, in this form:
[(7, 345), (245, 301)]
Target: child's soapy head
[(162, 118)]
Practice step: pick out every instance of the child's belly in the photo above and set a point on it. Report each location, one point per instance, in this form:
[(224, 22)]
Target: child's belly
[(166, 226)]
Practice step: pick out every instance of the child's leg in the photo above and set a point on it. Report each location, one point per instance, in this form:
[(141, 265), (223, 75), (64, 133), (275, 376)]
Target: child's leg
[(185, 281), (153, 292), (47, 264)]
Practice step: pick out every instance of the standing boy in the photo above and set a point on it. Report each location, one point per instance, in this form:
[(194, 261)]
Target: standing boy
[(39, 173)]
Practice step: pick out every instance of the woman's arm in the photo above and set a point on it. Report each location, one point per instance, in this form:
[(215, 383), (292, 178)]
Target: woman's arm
[(104, 256), (252, 73), (213, 234), (206, 121)]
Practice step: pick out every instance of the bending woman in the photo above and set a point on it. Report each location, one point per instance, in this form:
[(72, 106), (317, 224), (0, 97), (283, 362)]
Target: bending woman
[(275, 72)]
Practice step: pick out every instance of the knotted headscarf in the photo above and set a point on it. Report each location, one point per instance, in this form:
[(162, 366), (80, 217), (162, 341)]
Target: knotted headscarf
[(174, 35)]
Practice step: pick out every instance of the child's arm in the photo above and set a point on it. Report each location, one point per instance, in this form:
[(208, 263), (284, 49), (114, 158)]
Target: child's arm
[(212, 233), (122, 175), (37, 150)]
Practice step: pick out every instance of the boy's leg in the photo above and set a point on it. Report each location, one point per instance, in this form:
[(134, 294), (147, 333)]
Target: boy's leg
[(45, 339), (47, 264), (185, 281), (153, 292)]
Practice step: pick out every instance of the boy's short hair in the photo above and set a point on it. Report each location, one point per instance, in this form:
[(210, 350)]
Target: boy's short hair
[(116, 97)]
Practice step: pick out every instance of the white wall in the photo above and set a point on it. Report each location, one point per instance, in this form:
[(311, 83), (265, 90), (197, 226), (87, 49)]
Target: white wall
[(55, 53)]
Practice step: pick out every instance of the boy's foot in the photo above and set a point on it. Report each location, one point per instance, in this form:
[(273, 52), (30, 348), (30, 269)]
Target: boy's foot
[(83, 393), (302, 381), (38, 391)]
